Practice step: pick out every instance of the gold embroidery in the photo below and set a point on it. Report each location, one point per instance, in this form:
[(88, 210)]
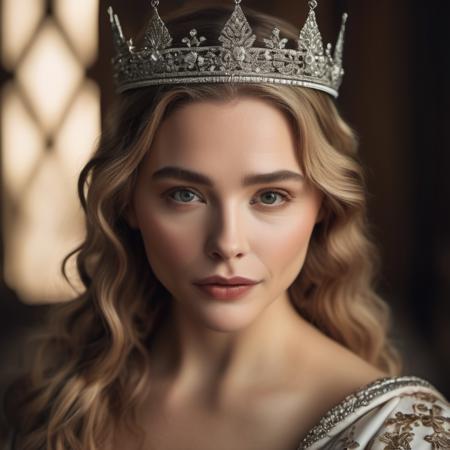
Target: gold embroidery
[(348, 442), (429, 416), (397, 441)]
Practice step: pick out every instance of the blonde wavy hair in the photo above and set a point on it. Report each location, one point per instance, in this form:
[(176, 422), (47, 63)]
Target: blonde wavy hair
[(89, 370)]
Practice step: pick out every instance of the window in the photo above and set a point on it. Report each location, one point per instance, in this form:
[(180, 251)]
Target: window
[(50, 120)]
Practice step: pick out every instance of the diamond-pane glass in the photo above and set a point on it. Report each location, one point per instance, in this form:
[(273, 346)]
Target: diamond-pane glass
[(52, 227), (22, 142), (50, 120), (50, 74), (76, 138), (82, 32), (20, 19)]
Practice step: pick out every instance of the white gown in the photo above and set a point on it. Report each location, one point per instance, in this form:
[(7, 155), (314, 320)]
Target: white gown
[(396, 413)]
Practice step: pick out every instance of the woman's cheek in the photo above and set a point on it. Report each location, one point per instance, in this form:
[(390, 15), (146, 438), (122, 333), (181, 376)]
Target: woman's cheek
[(285, 246), (168, 240)]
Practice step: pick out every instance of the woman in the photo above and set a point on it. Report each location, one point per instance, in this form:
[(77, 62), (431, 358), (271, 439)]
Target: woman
[(229, 299)]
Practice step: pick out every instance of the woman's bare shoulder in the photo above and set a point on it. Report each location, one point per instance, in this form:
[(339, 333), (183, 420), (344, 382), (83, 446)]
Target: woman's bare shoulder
[(322, 379), (334, 372), (346, 372)]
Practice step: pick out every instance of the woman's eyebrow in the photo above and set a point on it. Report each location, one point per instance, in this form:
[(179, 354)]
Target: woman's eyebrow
[(198, 178)]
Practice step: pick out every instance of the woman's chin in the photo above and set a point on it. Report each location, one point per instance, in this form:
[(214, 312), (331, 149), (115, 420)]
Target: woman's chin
[(227, 319)]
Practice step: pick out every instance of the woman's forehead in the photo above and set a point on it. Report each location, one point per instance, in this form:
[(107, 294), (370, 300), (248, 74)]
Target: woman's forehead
[(239, 131)]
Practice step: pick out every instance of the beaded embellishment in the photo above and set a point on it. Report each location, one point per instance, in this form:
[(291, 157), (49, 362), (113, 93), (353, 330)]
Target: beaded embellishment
[(360, 399)]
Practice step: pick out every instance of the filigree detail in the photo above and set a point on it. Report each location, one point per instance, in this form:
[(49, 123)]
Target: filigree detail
[(237, 32), (311, 46), (275, 41), (157, 36), (192, 40)]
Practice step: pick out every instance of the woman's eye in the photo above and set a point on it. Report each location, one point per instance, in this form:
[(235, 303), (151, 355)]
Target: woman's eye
[(267, 198), (270, 197), (184, 197)]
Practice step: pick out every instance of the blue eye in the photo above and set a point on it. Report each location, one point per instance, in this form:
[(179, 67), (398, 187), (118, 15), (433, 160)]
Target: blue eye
[(186, 195)]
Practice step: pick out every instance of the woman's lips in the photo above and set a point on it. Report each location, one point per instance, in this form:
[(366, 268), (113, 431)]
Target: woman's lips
[(222, 292)]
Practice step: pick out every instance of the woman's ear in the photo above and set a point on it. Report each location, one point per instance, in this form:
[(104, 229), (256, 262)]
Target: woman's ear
[(130, 216)]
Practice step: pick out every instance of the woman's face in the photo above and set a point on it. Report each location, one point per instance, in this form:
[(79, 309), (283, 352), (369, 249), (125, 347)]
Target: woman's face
[(201, 213)]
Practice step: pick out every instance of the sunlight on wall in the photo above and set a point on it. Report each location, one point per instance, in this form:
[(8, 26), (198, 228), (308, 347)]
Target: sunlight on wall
[(83, 31), (19, 20), (50, 120), (49, 75)]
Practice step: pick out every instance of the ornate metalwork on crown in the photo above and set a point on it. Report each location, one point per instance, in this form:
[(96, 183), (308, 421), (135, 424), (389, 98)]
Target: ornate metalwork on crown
[(234, 61)]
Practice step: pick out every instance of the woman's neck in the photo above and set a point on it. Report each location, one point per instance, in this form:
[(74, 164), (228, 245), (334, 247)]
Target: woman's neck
[(193, 357)]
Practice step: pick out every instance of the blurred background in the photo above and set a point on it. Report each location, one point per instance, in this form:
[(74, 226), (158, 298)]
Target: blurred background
[(56, 85)]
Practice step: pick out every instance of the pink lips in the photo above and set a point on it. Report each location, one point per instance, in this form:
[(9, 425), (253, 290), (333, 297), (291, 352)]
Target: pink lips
[(226, 288), (221, 292)]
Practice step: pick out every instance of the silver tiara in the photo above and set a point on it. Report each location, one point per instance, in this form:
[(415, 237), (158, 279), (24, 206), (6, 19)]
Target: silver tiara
[(234, 61)]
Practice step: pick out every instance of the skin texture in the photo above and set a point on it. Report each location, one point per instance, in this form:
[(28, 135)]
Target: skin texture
[(214, 358)]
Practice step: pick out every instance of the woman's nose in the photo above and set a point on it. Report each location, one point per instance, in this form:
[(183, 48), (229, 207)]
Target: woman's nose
[(227, 234)]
